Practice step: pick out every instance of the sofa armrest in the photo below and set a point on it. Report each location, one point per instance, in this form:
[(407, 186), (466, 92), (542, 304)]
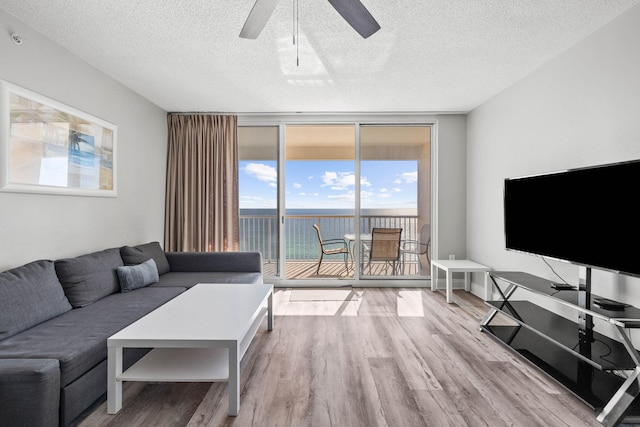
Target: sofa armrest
[(29, 392), (241, 262)]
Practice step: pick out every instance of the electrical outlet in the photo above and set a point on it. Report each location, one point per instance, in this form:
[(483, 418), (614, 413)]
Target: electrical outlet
[(452, 257)]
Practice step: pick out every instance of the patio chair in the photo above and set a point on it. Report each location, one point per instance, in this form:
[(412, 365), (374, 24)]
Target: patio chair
[(331, 247), (417, 248), (384, 246)]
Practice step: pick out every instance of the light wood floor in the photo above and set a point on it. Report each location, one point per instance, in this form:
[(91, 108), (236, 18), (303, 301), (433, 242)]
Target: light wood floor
[(379, 357)]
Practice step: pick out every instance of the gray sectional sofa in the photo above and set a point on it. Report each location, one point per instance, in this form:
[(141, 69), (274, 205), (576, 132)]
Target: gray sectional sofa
[(56, 316)]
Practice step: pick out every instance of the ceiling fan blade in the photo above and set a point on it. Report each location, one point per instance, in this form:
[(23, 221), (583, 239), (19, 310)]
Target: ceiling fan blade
[(357, 16), (257, 19)]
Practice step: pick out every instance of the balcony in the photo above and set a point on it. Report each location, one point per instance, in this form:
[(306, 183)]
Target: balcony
[(259, 233)]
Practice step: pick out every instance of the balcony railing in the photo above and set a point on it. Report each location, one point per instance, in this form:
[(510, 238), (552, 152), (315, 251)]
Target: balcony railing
[(260, 233)]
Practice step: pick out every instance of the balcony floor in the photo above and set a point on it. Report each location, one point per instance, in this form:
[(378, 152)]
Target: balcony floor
[(336, 270)]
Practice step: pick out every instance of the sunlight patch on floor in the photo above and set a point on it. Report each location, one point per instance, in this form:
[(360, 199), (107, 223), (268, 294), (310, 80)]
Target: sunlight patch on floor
[(317, 302), (409, 304), (299, 295)]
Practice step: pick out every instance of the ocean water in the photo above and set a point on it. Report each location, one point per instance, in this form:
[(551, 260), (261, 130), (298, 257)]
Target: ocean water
[(259, 228)]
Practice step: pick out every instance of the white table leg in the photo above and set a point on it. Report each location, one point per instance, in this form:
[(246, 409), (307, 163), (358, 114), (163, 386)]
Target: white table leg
[(270, 312), (449, 286), (434, 278), (234, 380), (467, 281), (114, 387)]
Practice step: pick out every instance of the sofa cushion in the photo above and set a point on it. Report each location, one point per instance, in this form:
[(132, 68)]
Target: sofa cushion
[(137, 276), (29, 295), (29, 392), (78, 338), (190, 279), (215, 261), (133, 255), (90, 277), (81, 393)]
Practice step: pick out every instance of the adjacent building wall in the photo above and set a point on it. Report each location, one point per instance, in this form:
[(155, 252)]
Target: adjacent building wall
[(36, 226), (580, 109)]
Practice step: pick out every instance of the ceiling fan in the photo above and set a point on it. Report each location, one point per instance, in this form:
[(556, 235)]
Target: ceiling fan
[(353, 11)]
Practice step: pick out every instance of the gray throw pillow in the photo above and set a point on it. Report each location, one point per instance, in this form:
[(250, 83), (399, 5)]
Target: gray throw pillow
[(137, 276), (134, 255), (29, 295), (91, 277)]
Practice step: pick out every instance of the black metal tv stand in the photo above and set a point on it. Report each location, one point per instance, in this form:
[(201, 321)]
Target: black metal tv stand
[(603, 372)]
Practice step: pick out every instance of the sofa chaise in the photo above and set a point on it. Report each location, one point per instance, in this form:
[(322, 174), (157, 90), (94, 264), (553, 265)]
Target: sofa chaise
[(56, 316)]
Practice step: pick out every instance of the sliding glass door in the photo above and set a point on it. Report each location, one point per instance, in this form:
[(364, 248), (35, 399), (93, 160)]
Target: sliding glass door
[(395, 200), (320, 197), (316, 199), (258, 188)]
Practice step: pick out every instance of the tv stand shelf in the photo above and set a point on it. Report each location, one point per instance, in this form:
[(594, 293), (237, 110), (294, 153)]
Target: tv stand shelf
[(603, 372), (568, 297), (606, 354)]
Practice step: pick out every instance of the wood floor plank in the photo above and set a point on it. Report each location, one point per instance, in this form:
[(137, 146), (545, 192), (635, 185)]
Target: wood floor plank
[(540, 408), (97, 415), (385, 357), (461, 385), (210, 407), (342, 386), (167, 404), (397, 402), (415, 369)]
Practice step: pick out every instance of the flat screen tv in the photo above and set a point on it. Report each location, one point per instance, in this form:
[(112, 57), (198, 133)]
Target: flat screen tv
[(587, 216)]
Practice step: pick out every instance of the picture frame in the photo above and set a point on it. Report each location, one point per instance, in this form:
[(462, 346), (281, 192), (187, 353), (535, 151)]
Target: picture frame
[(48, 147)]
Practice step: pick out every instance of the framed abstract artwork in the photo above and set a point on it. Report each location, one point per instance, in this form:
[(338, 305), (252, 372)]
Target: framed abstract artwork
[(49, 147)]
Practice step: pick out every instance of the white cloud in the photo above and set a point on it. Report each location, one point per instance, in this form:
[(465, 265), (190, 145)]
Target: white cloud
[(297, 185), (342, 180), (256, 202), (348, 196), (251, 198), (366, 195), (409, 177), (262, 172), (329, 178)]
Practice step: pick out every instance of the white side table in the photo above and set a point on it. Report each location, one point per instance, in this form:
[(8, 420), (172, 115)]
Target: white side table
[(458, 266)]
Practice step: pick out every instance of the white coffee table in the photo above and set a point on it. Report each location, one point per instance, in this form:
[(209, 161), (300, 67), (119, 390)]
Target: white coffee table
[(457, 266), (199, 336)]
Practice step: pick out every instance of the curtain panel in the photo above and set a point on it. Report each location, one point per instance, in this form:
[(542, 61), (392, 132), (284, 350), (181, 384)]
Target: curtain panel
[(202, 184)]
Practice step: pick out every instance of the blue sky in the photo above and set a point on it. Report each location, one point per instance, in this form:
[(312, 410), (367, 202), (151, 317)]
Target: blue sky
[(316, 184)]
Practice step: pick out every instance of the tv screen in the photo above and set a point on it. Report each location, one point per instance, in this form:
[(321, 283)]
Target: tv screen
[(585, 216)]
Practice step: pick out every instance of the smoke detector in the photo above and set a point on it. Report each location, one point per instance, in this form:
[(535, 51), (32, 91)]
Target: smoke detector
[(17, 38)]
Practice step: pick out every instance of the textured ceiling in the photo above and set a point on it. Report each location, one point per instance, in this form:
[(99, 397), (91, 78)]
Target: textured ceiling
[(429, 56)]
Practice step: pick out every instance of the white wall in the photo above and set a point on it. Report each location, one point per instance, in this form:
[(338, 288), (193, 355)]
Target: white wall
[(580, 109), (451, 187), (46, 226)]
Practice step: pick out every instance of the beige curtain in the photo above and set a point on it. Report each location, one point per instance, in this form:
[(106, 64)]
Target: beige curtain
[(202, 184)]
